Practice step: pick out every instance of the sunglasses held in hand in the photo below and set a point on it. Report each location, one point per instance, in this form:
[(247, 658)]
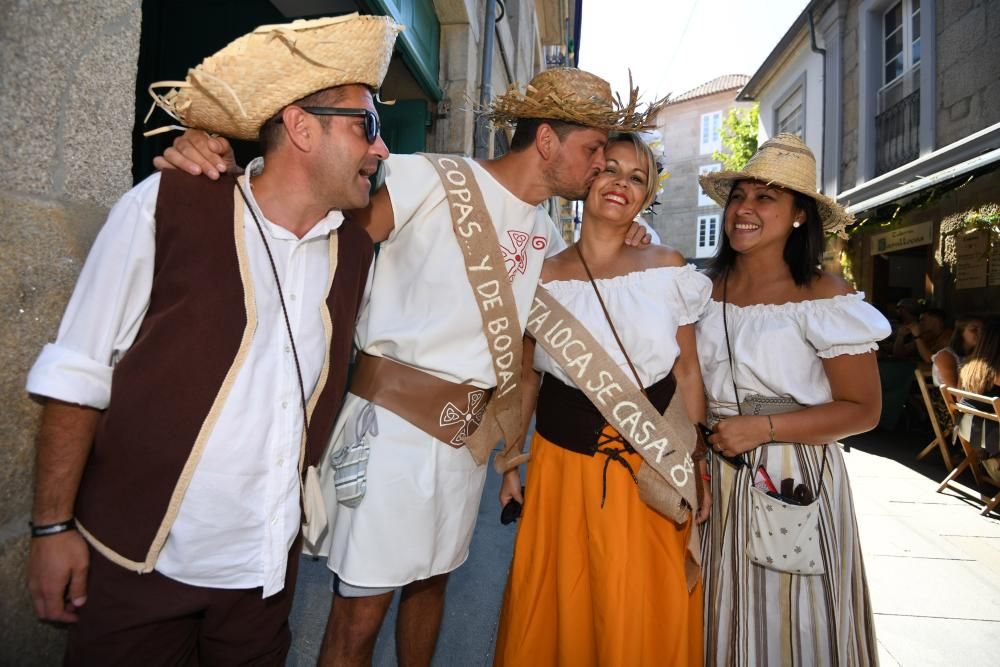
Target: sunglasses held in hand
[(738, 461)]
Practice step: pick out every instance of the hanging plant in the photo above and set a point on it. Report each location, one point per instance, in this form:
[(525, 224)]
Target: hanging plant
[(913, 203), (985, 218)]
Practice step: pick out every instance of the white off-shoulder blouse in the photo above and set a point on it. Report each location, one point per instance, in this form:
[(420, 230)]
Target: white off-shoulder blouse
[(647, 307), (778, 350)]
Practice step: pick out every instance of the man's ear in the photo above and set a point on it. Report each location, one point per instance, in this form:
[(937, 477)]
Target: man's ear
[(546, 141), (300, 127)]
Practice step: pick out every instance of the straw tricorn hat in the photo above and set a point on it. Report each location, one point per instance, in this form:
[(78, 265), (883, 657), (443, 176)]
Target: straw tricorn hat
[(239, 88), (575, 96), (782, 160)]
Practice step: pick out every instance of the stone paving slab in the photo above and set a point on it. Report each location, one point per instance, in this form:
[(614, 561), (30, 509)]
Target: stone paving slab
[(916, 641), (933, 569), (933, 563)]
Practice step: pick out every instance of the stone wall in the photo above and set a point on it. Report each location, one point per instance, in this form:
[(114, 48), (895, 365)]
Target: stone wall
[(67, 72), (849, 112), (515, 60), (968, 43)]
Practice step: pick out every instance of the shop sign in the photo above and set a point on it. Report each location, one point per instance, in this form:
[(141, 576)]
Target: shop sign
[(910, 236), (971, 251), (994, 275)]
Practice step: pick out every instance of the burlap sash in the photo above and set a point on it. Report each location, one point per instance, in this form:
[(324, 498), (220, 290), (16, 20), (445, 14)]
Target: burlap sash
[(484, 266), (667, 479)]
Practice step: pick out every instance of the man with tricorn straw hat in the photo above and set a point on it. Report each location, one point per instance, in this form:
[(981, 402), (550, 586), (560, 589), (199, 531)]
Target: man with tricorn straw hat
[(202, 361), (436, 383)]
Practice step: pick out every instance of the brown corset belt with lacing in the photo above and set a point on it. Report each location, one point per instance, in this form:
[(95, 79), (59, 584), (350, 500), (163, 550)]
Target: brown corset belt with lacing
[(567, 418)]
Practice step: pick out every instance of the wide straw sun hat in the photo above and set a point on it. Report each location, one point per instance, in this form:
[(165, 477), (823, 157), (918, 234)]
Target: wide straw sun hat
[(783, 160), (239, 88), (575, 96)]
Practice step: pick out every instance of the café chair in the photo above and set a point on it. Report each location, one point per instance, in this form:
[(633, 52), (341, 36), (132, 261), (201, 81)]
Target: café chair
[(953, 400), (939, 440)]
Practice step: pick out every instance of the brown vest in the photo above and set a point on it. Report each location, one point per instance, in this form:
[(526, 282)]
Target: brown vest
[(188, 350)]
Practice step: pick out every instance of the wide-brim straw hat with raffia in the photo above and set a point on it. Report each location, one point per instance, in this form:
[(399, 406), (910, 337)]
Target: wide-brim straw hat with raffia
[(239, 88), (572, 95), (783, 160)]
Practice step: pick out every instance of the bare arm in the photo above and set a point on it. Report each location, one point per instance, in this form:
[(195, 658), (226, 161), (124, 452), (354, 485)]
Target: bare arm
[(900, 347), (947, 368), (197, 153), (688, 373), (377, 218), (57, 564), (510, 487), (923, 349), (855, 408)]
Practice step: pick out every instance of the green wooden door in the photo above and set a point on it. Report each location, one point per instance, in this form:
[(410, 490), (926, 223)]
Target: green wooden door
[(404, 125)]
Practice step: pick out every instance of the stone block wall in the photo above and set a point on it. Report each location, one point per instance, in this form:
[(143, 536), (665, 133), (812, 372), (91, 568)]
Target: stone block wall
[(67, 72), (968, 42), (849, 113)]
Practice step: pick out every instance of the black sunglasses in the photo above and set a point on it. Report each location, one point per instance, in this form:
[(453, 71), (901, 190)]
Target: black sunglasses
[(372, 124)]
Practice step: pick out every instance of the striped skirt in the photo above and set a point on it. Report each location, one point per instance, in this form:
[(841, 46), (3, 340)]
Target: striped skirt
[(756, 616)]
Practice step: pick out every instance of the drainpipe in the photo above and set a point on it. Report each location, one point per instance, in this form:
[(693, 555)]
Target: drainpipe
[(822, 111), (481, 149)]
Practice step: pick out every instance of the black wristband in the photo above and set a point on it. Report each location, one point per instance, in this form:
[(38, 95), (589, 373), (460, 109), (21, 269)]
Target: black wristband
[(52, 528)]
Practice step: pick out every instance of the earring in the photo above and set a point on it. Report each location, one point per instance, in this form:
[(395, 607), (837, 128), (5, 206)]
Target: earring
[(796, 224)]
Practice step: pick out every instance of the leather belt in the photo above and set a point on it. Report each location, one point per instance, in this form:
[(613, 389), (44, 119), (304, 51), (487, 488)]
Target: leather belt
[(447, 411)]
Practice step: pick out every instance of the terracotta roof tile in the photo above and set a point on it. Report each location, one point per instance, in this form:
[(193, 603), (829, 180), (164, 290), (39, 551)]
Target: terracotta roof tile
[(716, 85)]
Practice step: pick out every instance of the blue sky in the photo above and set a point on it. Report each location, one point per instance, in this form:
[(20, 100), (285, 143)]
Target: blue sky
[(674, 45)]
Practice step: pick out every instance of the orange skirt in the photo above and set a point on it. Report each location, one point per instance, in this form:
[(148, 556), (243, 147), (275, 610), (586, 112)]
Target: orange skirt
[(591, 585)]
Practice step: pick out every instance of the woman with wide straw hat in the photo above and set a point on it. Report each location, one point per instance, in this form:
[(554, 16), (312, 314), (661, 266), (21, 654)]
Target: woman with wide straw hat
[(600, 577), (787, 356)]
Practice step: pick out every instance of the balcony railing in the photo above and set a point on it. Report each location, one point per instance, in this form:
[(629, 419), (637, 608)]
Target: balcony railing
[(897, 134)]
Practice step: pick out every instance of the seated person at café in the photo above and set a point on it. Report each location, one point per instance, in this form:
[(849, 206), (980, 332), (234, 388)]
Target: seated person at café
[(948, 361), (927, 335), (981, 375), (900, 344)]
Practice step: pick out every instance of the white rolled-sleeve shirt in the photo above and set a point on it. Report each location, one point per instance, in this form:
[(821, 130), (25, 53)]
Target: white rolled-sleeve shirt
[(240, 514)]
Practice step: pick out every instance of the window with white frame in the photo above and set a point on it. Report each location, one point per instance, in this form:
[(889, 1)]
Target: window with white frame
[(703, 199), (789, 116), (900, 39), (708, 235), (711, 126)]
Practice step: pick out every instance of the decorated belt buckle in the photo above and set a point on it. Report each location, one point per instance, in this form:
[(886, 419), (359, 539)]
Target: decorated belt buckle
[(467, 420)]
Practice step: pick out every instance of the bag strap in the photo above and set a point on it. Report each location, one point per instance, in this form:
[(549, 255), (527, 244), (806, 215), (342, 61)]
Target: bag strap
[(665, 441), (607, 316), (484, 267), (732, 375), (308, 517), (666, 478)]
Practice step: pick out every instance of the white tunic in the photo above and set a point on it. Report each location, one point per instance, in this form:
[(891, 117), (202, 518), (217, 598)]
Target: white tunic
[(422, 497), (646, 307)]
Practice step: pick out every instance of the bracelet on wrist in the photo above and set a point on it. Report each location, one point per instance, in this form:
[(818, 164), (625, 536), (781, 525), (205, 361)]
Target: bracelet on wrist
[(770, 428), (48, 529)]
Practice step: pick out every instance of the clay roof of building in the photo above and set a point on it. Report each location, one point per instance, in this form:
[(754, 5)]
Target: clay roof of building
[(716, 85)]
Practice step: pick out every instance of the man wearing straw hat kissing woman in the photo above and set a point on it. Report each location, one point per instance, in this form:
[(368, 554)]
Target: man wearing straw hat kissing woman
[(437, 381), (202, 361)]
